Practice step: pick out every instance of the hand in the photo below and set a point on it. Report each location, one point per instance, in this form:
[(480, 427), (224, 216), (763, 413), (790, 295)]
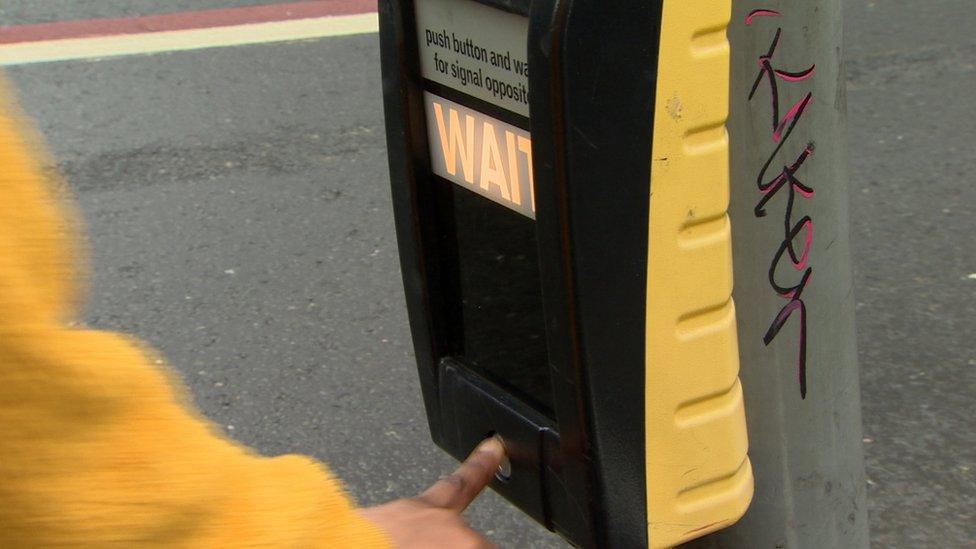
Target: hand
[(433, 519)]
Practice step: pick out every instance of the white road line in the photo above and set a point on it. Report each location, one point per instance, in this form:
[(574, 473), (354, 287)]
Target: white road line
[(100, 47)]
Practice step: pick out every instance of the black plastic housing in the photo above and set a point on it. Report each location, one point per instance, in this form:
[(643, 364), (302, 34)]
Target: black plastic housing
[(580, 469)]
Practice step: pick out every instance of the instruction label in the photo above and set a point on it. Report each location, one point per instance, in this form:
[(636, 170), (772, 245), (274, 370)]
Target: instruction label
[(475, 49)]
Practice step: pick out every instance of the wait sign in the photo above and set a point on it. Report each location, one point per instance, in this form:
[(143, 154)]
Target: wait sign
[(481, 153)]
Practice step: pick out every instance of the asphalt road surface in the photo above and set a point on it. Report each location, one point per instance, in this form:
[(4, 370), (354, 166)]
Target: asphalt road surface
[(238, 211)]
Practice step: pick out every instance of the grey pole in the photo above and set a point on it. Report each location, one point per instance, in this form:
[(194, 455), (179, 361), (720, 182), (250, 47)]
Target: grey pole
[(800, 382)]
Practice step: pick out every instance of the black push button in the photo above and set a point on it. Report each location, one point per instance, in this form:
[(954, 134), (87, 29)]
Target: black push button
[(474, 408)]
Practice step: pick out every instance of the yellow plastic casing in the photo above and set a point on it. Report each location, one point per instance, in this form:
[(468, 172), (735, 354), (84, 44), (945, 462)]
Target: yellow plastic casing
[(699, 478)]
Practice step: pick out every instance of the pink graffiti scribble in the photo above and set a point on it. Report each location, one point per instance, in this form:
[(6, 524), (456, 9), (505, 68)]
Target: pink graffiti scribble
[(796, 76), (781, 130), (780, 180), (774, 328), (807, 241), (794, 113), (787, 175), (771, 73), (787, 75), (760, 13)]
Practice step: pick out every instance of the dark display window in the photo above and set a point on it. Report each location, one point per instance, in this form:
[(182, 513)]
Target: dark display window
[(497, 323)]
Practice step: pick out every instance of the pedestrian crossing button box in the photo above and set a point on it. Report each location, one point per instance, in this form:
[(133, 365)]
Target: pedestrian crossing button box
[(559, 180)]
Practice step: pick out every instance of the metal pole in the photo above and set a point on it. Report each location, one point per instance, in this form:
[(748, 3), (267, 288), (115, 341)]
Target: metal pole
[(793, 278)]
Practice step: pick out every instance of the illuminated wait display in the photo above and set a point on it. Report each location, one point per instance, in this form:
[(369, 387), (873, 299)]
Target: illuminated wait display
[(481, 153)]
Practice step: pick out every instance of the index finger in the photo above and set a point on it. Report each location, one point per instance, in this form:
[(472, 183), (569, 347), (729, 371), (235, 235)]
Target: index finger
[(458, 490)]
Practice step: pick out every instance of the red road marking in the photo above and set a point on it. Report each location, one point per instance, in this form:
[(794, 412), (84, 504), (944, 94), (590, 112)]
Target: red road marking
[(183, 20)]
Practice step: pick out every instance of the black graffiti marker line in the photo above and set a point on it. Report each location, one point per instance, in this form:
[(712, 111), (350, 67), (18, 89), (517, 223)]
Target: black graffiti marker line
[(770, 73), (781, 318), (787, 176), (793, 118), (782, 129)]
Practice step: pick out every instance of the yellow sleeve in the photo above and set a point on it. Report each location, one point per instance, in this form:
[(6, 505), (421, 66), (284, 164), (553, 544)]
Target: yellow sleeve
[(98, 445)]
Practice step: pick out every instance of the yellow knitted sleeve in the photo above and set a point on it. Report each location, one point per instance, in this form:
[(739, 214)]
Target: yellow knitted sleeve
[(98, 444)]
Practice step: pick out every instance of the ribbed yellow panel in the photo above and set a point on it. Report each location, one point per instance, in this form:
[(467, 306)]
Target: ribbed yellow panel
[(698, 475)]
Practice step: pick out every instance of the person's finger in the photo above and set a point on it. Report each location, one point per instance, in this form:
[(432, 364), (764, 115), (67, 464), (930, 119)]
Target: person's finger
[(457, 491)]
